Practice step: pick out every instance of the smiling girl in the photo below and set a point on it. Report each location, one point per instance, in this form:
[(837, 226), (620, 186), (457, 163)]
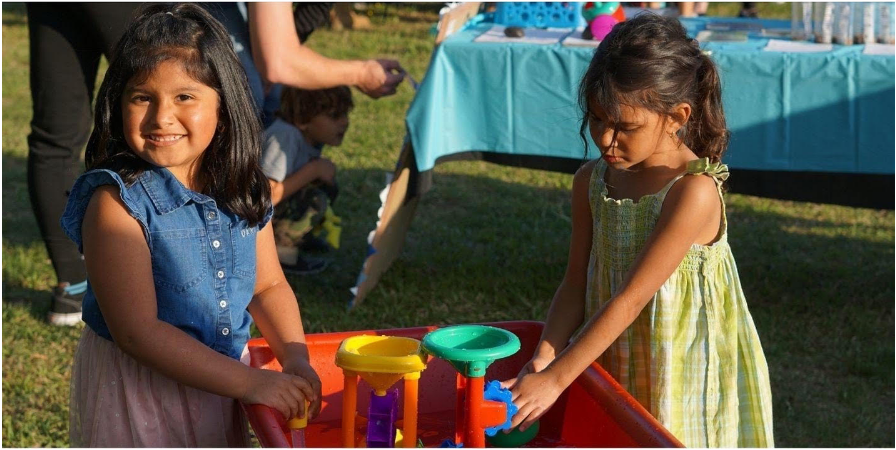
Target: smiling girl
[(651, 284), (173, 221)]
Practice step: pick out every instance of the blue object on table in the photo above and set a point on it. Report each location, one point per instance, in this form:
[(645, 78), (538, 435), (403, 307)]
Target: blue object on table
[(539, 14), (815, 112)]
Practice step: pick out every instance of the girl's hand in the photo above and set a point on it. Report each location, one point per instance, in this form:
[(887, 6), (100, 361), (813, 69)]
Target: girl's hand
[(282, 391), (534, 394), (535, 365), (300, 367)]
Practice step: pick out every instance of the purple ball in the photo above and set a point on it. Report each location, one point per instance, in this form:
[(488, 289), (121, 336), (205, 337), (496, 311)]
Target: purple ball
[(601, 26)]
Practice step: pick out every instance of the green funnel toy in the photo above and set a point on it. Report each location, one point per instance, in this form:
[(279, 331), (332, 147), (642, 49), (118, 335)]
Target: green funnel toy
[(470, 349)]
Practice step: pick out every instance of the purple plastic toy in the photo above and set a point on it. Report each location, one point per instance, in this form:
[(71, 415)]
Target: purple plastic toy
[(381, 417)]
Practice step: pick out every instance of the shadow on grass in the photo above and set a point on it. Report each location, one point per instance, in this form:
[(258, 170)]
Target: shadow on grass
[(37, 302)]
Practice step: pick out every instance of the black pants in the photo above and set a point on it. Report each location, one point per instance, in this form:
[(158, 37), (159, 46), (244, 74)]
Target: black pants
[(66, 43)]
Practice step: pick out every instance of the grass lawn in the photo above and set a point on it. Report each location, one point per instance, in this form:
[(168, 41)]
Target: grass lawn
[(819, 278)]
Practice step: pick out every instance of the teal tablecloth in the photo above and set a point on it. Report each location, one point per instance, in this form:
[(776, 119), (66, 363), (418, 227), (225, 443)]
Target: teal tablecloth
[(816, 112)]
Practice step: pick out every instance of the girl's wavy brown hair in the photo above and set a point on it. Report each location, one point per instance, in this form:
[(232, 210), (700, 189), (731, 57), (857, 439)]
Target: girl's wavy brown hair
[(650, 62)]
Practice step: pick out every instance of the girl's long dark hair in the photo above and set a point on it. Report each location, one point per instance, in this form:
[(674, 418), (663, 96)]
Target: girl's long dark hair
[(188, 34), (649, 61)]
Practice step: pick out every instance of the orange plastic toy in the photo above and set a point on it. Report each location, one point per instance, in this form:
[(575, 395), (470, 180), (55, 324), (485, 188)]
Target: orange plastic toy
[(593, 412)]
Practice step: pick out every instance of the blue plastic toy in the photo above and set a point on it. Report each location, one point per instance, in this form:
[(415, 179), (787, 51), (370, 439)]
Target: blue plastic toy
[(494, 392)]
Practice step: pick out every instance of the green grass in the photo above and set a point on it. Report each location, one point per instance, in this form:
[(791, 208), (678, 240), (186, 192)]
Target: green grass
[(819, 278)]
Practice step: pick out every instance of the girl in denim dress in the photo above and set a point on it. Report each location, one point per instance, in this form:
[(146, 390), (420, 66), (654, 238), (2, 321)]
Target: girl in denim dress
[(173, 221)]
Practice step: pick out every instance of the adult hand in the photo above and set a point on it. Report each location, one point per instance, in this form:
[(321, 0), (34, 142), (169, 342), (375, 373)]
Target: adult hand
[(380, 77), (282, 391), (300, 367), (534, 394)]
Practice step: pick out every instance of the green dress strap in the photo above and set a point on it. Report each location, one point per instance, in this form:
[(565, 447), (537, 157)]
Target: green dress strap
[(716, 170), (719, 173)]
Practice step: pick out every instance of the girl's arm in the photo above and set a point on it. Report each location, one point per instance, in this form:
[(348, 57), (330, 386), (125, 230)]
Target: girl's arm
[(120, 271), (568, 307), (281, 58), (276, 312), (691, 207)]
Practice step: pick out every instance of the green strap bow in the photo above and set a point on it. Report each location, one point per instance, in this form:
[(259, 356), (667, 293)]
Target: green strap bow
[(713, 169)]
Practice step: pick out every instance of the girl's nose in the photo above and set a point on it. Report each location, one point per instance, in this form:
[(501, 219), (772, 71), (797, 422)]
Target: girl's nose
[(605, 138), (162, 114)]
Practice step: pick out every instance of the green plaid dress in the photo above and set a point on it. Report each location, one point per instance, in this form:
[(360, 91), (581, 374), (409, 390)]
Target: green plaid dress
[(692, 357)]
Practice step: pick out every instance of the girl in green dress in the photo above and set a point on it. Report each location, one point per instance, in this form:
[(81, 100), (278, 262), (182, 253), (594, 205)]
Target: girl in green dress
[(651, 290)]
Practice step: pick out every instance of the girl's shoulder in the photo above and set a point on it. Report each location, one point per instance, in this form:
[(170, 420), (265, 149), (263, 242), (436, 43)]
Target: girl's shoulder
[(586, 171), (581, 181), (107, 194)]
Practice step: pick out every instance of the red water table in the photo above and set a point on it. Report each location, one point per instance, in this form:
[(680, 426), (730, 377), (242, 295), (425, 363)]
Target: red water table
[(595, 411)]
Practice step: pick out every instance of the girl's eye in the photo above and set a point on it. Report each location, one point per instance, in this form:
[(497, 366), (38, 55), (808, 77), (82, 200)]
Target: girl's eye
[(184, 97), (140, 98)]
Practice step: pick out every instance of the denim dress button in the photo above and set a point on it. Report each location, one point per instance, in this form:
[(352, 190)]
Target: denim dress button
[(216, 243), (220, 274), (223, 303), (211, 215), (225, 331)]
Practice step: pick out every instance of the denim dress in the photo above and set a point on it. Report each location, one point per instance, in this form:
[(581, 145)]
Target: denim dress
[(203, 268)]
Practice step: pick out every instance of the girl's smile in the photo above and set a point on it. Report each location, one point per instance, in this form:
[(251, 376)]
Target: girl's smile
[(163, 140), (170, 119)]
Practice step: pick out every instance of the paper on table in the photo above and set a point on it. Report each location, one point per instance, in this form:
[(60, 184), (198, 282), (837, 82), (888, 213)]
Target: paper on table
[(575, 40), (533, 35), (734, 26), (879, 49), (722, 36), (776, 32), (776, 45)]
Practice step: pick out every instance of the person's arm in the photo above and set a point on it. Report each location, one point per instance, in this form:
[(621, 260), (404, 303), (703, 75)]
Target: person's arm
[(567, 307), (115, 250), (317, 169), (689, 209), (276, 313), (281, 58)]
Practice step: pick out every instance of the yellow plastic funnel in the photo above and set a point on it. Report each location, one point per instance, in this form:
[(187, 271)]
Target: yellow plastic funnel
[(380, 360)]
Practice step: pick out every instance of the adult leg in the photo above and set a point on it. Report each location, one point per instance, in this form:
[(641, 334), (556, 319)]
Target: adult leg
[(63, 67), (65, 53)]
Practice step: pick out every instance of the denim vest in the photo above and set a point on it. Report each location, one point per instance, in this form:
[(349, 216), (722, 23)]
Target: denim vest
[(203, 257)]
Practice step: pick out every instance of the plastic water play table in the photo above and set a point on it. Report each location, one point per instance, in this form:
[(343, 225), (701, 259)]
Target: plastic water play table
[(594, 412)]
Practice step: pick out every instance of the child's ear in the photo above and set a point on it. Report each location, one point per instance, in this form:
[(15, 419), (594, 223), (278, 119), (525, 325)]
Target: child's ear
[(679, 117)]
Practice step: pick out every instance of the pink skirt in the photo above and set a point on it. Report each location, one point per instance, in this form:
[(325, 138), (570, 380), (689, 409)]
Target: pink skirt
[(118, 402)]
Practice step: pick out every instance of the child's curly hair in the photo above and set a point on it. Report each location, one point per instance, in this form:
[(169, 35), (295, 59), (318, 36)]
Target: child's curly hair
[(299, 106)]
